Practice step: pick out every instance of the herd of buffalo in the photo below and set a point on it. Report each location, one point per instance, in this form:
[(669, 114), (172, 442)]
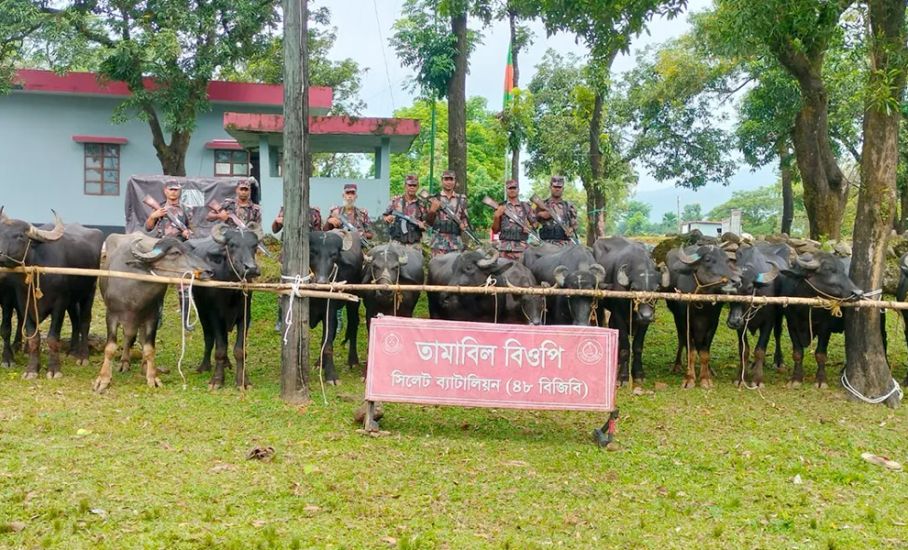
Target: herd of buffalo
[(703, 266)]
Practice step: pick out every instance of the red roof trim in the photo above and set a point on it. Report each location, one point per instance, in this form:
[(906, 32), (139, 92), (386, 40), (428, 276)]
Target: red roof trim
[(325, 125), (33, 80), (230, 144), (80, 138)]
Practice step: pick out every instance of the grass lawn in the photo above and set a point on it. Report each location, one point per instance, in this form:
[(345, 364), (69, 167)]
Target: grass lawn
[(167, 468)]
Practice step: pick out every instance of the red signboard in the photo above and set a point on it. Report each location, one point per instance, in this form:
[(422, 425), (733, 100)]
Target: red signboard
[(485, 365)]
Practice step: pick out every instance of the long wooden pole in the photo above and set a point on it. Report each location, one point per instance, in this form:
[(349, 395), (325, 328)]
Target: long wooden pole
[(295, 351)]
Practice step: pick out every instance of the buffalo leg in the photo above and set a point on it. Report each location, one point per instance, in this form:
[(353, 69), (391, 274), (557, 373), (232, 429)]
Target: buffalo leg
[(85, 305), (637, 368), (220, 353), (623, 355), (681, 331), (820, 356), (742, 355), (760, 354), (778, 361), (705, 379), (799, 340), (6, 328), (33, 348), (689, 374), (329, 331), (102, 382), (58, 316), (207, 333), (127, 352), (351, 334), (149, 335)]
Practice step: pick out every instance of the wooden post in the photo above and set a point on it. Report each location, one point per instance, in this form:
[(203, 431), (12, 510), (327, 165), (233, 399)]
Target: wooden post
[(295, 353)]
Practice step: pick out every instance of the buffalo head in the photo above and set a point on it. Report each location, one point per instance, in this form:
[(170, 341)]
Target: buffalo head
[(325, 249), (237, 248), (826, 274), (16, 237), (168, 257), (585, 277)]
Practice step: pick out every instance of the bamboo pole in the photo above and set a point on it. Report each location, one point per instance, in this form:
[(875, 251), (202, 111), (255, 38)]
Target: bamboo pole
[(341, 290), (278, 288)]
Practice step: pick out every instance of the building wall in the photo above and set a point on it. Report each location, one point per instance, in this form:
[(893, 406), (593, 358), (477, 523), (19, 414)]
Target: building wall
[(324, 193), (43, 167)]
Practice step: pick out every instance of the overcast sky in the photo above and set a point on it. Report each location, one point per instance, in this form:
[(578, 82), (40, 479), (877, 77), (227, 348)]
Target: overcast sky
[(364, 27)]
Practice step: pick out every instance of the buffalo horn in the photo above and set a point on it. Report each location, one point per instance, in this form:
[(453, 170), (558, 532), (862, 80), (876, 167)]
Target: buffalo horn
[(489, 260), (44, 235), (367, 258), (347, 240), (149, 256), (666, 276), (682, 256), (622, 278), (808, 262), (402, 257), (768, 276), (560, 274), (599, 272), (217, 233)]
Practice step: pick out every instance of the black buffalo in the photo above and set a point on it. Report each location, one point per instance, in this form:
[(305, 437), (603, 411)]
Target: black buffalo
[(759, 266), (230, 251), (334, 256), (703, 269), (135, 305), (467, 268), (52, 295), (570, 266), (820, 274), (628, 266), (392, 264), (520, 309)]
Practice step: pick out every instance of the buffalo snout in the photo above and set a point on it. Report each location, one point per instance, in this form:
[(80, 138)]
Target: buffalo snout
[(646, 313)]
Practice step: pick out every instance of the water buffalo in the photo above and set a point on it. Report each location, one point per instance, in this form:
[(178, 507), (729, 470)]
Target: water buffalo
[(698, 269), (62, 246), (820, 274), (468, 268), (391, 264), (230, 251), (334, 256), (628, 266), (135, 305), (759, 266), (520, 309), (570, 266)]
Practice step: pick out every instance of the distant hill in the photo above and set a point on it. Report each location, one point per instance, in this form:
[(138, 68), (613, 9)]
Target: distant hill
[(666, 199)]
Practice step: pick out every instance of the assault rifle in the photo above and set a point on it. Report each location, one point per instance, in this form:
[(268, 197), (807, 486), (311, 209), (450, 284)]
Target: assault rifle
[(493, 204), (350, 227), (155, 205), (215, 206), (452, 216), (556, 217)]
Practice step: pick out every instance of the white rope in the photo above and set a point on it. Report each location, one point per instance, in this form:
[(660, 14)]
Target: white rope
[(184, 322), (896, 389), (295, 282)]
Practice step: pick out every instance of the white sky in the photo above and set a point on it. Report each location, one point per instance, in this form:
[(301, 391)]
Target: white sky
[(364, 27)]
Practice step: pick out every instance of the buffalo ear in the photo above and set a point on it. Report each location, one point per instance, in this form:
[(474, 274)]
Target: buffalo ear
[(347, 241), (560, 275), (794, 272), (666, 279), (599, 273), (502, 266)]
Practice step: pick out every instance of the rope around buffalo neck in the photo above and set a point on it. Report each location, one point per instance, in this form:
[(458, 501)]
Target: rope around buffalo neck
[(896, 389)]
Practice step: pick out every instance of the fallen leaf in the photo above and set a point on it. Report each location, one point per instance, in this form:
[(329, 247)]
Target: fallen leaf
[(389, 540), (516, 463), (222, 467), (797, 480), (259, 523), (82, 431), (312, 508), (16, 526), (99, 512)]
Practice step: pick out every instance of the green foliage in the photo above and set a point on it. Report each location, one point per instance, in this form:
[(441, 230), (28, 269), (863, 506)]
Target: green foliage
[(485, 156), (635, 220), (19, 19), (691, 212), (517, 118)]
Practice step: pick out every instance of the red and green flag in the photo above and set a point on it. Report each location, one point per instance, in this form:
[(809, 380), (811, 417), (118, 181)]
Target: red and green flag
[(508, 80)]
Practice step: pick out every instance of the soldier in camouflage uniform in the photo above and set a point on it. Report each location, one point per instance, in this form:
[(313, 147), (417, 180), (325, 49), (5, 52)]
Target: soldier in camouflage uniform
[(160, 222), (315, 220), (242, 207), (512, 236), (400, 230), (552, 231), (356, 217), (447, 231)]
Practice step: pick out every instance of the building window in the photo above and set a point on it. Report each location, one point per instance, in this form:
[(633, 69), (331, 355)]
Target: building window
[(231, 163), (102, 169)]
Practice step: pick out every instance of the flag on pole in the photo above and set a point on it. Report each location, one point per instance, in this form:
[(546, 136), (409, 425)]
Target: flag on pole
[(508, 80)]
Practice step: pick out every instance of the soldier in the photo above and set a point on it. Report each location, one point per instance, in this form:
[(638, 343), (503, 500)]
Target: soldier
[(447, 231), (401, 230), (552, 231), (165, 221), (512, 235), (357, 218), (242, 207), (315, 220)]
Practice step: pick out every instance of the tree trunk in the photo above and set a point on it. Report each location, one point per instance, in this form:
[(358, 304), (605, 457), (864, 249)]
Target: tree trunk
[(903, 209), (457, 105), (295, 353), (866, 365), (785, 169), (172, 156), (515, 50), (595, 212), (825, 187)]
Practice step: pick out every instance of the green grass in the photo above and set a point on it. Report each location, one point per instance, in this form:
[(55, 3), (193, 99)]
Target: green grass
[(166, 468)]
